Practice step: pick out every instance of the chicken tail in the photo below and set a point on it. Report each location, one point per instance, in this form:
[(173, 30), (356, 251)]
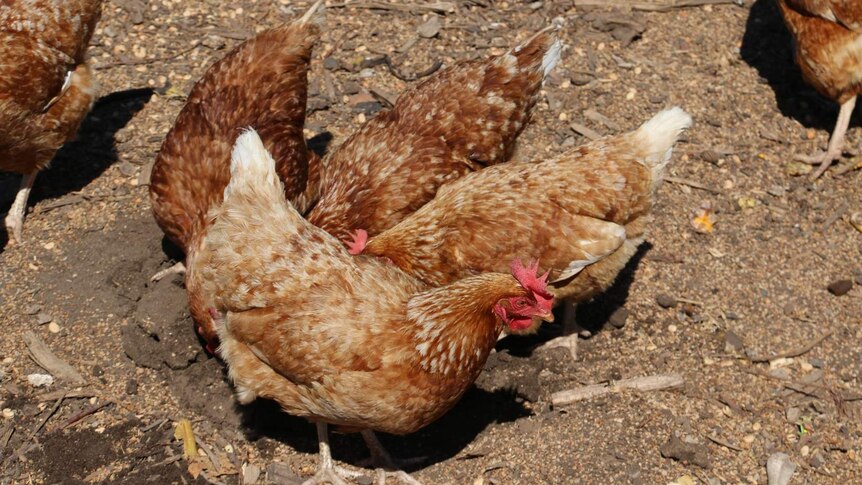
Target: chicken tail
[(655, 139), (252, 168), (544, 43)]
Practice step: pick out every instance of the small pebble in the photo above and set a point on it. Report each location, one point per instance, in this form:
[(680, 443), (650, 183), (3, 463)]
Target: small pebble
[(331, 63), (840, 287), (32, 310), (671, 328), (43, 318), (53, 327), (40, 380), (364, 480), (8, 413), (817, 363), (618, 317), (817, 460), (805, 450), (748, 439), (666, 301), (732, 343), (430, 28), (131, 387), (792, 414), (806, 366)]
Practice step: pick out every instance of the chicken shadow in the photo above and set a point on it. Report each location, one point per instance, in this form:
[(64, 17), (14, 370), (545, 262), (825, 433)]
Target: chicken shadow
[(85, 158), (768, 47), (437, 442), (592, 315)]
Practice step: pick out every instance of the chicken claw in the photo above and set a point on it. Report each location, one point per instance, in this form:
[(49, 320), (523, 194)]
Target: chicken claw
[(381, 458), (328, 472), (15, 218), (179, 268)]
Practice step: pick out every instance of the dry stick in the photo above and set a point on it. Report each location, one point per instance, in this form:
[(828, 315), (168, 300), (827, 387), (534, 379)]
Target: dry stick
[(646, 383), (719, 441), (791, 353), (46, 359), (8, 431), (692, 184), (84, 413), (140, 62), (653, 7), (834, 217), (50, 396), (439, 7), (404, 77)]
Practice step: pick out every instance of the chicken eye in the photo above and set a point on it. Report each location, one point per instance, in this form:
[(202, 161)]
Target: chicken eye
[(520, 303)]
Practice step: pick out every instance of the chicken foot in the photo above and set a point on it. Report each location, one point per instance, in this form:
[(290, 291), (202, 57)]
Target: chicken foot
[(179, 268), (328, 471), (836, 141), (15, 217), (382, 459)]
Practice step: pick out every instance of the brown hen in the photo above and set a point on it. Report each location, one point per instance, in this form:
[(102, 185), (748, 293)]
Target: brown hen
[(465, 117), (261, 84), (828, 37), (46, 86), (581, 215), (352, 342)]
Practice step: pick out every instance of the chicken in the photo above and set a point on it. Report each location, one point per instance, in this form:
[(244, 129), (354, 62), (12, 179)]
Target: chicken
[(46, 87), (582, 214), (261, 84), (340, 340), (828, 37), (465, 117)]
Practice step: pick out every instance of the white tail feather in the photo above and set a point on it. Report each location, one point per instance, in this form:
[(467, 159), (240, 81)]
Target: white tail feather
[(657, 137), (251, 164), (551, 57)]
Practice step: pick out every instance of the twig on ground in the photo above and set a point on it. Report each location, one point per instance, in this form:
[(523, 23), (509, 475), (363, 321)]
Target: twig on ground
[(646, 383), (140, 62), (84, 413), (834, 216), (80, 394), (46, 359), (654, 7), (408, 78), (721, 442), (791, 353), (439, 7), (153, 425), (692, 184)]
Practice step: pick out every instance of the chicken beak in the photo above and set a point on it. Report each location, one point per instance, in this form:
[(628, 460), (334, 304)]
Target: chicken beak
[(548, 317)]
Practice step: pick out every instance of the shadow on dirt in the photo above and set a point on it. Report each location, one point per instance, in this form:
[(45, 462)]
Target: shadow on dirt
[(768, 47)]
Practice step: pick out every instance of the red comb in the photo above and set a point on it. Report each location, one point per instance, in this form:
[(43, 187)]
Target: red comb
[(529, 278), (360, 239)]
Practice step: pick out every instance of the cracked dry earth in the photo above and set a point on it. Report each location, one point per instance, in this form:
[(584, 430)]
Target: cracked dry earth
[(705, 306)]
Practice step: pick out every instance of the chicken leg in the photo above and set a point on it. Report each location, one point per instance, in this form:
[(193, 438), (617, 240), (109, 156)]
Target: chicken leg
[(381, 458), (178, 268), (328, 472), (15, 217), (836, 141)]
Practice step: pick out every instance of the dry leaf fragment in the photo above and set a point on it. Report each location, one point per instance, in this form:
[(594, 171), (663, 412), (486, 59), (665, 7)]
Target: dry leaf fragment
[(746, 202), (702, 219), (184, 433)]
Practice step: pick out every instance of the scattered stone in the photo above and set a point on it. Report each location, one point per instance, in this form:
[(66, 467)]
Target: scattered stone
[(364, 480), (732, 315), (331, 63), (40, 380), (817, 460), (582, 78), (278, 472), (372, 61), (44, 318), (666, 301), (132, 387), (54, 327), (679, 450), (779, 469), (618, 317), (816, 363), (776, 191), (857, 275), (32, 310), (317, 104), (782, 373), (733, 343), (430, 28), (8, 413), (351, 87), (98, 371), (840, 287), (792, 414), (250, 474), (127, 169)]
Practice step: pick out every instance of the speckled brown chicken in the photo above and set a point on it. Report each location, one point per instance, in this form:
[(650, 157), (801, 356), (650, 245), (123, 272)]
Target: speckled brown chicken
[(342, 340), (261, 84), (828, 37), (46, 86), (463, 118), (582, 215)]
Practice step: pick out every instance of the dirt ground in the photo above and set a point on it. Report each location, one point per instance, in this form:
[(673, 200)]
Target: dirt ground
[(706, 306)]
